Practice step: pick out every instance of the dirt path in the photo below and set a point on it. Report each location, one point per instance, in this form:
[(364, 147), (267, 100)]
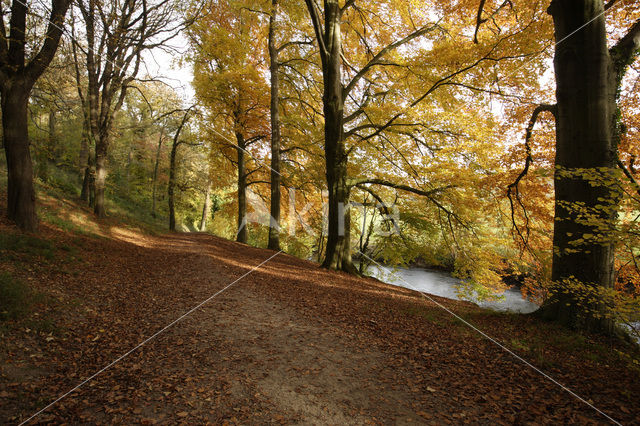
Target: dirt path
[(288, 344)]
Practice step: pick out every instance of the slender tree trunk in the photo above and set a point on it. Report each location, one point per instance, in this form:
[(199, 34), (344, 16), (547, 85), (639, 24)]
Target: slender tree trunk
[(86, 184), (51, 140), (128, 171), (274, 222), (102, 144), (585, 164), (155, 175), (21, 207), (206, 209), (172, 170), (243, 232), (172, 184), (84, 162)]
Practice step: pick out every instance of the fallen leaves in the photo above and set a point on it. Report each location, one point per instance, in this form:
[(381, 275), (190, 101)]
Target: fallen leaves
[(290, 343)]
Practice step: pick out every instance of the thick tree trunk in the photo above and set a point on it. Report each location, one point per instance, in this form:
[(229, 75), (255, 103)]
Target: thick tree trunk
[(243, 233), (274, 222), (102, 145), (206, 209), (18, 74), (586, 197), (338, 251), (21, 206)]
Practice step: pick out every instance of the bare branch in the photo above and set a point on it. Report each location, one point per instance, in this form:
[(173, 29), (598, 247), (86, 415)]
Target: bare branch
[(513, 187)]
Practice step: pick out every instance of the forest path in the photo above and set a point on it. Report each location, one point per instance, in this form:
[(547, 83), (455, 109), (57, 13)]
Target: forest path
[(289, 343)]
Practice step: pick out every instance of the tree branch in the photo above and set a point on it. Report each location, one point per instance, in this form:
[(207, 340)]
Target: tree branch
[(624, 52), (513, 187), (377, 59), (317, 27)]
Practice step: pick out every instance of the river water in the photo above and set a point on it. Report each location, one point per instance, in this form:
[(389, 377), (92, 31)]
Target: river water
[(444, 285)]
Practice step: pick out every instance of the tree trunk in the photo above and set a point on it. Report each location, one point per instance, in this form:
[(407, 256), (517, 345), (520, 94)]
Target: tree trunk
[(585, 165), (21, 206), (206, 209), (155, 175), (102, 144), (172, 184), (84, 162), (338, 251), (18, 74), (86, 184), (274, 221), (243, 233), (128, 171)]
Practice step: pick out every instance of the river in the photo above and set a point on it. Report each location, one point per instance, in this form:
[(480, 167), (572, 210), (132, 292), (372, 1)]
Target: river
[(444, 285)]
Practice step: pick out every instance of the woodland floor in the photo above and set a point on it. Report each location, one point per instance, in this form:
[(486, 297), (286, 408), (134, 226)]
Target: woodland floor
[(288, 344)]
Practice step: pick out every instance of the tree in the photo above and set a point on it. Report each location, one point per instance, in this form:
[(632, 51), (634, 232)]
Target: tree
[(274, 68), (229, 83), (588, 77), (20, 68), (389, 84)]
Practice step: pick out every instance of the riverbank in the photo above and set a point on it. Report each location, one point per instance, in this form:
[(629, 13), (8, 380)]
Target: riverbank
[(443, 284), (286, 343)]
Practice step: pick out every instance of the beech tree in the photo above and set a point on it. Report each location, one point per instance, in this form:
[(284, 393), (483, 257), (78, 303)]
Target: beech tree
[(376, 97), (229, 83), (20, 68), (274, 108), (172, 168), (588, 77)]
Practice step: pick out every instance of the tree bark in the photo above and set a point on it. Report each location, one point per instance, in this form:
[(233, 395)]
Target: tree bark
[(21, 206), (274, 221), (586, 146), (172, 170), (338, 248), (243, 233)]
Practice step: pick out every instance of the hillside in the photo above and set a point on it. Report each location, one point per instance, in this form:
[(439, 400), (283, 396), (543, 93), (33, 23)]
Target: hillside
[(285, 343)]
